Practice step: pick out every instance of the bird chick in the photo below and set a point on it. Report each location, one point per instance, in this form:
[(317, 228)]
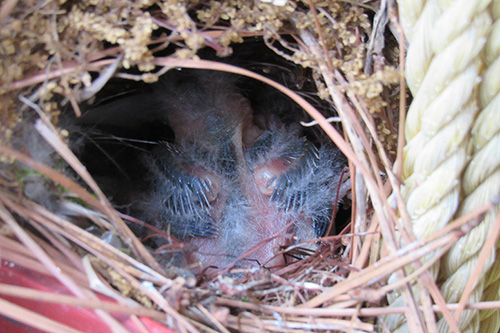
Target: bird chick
[(235, 188)]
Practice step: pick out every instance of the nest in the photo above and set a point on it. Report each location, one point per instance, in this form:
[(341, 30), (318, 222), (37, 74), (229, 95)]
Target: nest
[(339, 59)]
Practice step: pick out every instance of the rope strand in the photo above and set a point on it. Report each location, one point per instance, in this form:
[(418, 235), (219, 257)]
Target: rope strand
[(448, 53)]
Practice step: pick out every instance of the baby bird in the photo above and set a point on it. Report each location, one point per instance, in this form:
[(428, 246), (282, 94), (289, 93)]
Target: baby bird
[(236, 184)]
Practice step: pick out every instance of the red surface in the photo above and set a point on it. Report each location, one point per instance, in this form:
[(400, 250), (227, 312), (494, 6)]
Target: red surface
[(82, 319)]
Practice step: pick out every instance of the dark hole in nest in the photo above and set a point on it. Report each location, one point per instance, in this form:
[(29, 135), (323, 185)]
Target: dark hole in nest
[(158, 168)]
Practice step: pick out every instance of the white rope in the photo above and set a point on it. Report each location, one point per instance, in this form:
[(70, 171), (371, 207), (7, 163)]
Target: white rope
[(480, 183), (443, 68)]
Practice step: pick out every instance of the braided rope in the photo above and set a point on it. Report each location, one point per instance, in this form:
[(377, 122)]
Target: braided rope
[(443, 68), (480, 183)]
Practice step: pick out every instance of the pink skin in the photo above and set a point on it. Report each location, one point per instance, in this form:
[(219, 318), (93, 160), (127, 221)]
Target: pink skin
[(266, 235), (268, 229), (268, 174)]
